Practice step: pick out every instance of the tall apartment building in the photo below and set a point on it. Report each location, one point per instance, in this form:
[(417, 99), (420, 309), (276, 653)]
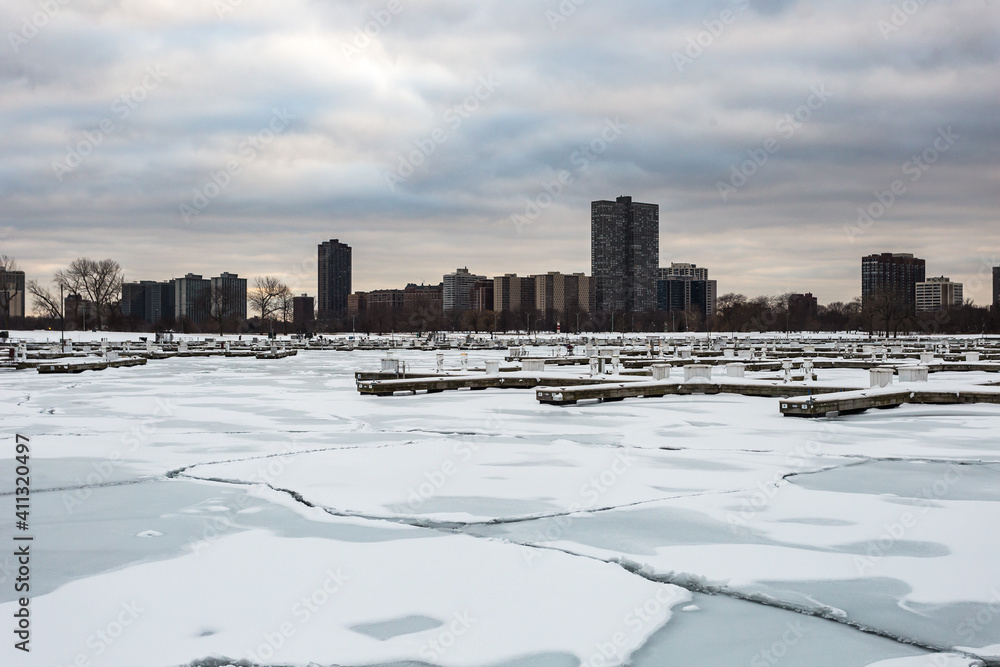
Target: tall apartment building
[(303, 310), (938, 294), (229, 296), (892, 274), (457, 294), (334, 273), (624, 254), (996, 287), (192, 298), (557, 293), (511, 292), (682, 286), (133, 303), (482, 295), (12, 303), (149, 300)]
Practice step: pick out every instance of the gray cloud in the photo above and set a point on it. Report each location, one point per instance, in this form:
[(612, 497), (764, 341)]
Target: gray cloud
[(356, 110)]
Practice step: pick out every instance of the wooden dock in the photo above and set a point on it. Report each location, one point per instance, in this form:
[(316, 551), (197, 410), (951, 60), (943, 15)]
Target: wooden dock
[(617, 391), (439, 383), (96, 364), (854, 402)]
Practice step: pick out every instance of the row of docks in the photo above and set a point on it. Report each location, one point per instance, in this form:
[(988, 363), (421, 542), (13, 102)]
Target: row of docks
[(69, 358), (606, 374)]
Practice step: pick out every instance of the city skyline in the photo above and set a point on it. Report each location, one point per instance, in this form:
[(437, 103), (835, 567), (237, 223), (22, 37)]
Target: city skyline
[(780, 145)]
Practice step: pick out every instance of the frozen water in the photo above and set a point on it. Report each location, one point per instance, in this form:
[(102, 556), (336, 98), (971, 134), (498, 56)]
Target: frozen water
[(211, 501)]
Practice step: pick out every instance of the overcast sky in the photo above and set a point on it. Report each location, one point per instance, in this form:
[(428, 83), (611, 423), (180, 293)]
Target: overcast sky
[(205, 136)]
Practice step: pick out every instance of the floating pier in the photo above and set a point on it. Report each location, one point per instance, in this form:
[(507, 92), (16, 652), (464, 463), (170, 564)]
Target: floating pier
[(854, 402)]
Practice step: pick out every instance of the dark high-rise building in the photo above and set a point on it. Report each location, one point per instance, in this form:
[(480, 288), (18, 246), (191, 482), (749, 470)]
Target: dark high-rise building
[(334, 279), (160, 304), (625, 254), (148, 300), (482, 295), (303, 310), (996, 287), (803, 306), (11, 294), (892, 275), (134, 299), (229, 297)]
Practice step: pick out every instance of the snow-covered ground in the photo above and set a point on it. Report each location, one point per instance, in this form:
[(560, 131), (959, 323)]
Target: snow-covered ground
[(264, 511)]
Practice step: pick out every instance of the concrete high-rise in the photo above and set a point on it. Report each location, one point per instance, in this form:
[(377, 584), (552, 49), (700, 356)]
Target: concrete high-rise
[(192, 298), (457, 294), (229, 296), (624, 254), (892, 275), (511, 292), (938, 294), (334, 279)]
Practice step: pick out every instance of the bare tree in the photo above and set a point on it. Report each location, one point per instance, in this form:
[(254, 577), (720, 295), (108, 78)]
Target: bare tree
[(284, 302), (98, 281), (265, 294), (45, 303)]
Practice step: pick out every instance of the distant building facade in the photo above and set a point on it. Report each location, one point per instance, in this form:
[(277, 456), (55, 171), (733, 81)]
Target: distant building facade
[(457, 293), (303, 310), (12, 295), (511, 292), (356, 303), (229, 297), (683, 270), (426, 297), (938, 294), (482, 295), (893, 275), (334, 274), (803, 306), (996, 287), (192, 297), (390, 299), (624, 254)]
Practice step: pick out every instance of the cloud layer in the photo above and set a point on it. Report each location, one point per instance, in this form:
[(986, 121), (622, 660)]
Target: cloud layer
[(235, 135)]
